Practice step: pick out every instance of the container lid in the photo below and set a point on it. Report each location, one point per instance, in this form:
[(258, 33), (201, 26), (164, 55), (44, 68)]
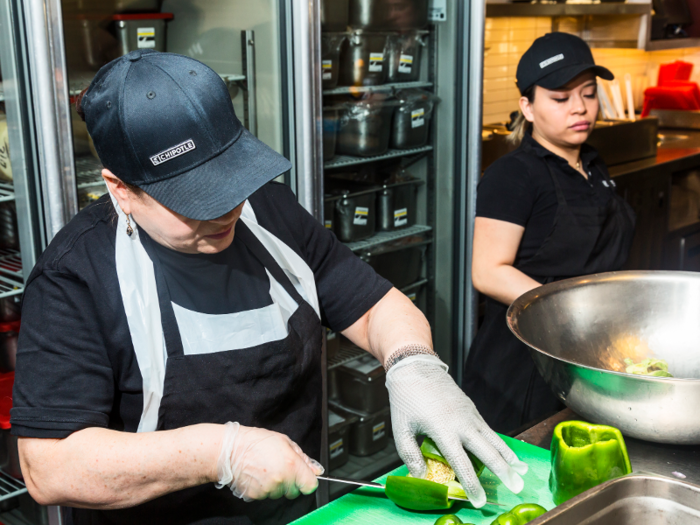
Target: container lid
[(359, 415), (143, 16), (366, 367), (7, 381), (337, 422)]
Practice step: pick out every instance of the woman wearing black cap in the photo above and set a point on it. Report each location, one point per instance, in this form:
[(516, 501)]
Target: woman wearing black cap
[(546, 211), (171, 332)]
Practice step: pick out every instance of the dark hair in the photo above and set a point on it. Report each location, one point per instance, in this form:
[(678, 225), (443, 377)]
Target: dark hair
[(521, 124), (81, 113)]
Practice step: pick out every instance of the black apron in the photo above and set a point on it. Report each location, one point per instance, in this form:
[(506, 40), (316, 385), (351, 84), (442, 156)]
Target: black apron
[(500, 376), (276, 386)]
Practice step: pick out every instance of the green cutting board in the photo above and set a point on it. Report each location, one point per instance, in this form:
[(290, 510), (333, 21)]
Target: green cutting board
[(370, 506)]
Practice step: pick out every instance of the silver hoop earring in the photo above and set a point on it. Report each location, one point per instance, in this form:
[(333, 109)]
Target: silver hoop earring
[(129, 229)]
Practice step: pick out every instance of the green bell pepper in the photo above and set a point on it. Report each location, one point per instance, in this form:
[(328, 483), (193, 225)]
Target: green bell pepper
[(430, 450), (520, 514), (449, 519), (584, 455), (417, 493)]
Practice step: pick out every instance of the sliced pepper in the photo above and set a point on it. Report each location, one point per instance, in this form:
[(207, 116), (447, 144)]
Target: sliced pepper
[(430, 450), (520, 514), (417, 493), (449, 519), (584, 455)]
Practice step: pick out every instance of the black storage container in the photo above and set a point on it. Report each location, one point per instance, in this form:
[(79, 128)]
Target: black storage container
[(330, 132), (417, 294), (355, 216), (370, 433), (362, 384), (328, 210), (363, 59), (332, 344), (331, 44), (385, 14), (334, 15), (412, 119), (338, 438), (404, 52), (396, 205), (365, 127), (401, 267)]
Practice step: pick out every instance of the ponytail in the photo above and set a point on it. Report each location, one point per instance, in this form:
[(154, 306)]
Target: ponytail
[(521, 125)]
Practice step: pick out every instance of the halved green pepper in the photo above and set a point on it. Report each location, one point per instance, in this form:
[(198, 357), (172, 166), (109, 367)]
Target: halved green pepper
[(520, 514), (584, 455), (417, 493), (430, 450), (450, 519)]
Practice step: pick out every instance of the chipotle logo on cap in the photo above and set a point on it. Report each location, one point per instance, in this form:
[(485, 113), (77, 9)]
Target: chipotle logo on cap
[(171, 153)]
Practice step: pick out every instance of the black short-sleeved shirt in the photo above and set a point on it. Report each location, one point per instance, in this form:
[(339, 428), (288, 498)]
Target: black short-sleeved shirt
[(76, 366), (518, 188)]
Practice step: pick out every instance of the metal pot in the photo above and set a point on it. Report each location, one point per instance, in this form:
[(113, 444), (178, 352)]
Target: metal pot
[(579, 331), (411, 123), (363, 59), (331, 44), (334, 15), (365, 128), (404, 52), (399, 15), (355, 216), (396, 205)]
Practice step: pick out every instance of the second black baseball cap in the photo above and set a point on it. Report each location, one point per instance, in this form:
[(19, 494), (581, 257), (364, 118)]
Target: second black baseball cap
[(555, 59), (165, 123)]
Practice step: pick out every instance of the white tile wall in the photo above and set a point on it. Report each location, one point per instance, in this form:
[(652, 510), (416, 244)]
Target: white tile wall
[(506, 39)]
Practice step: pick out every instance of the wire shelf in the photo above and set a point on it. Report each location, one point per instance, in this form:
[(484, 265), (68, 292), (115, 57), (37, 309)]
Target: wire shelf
[(340, 161), (10, 487), (10, 286), (348, 352), (7, 192), (384, 88), (88, 172), (385, 237), (231, 77), (11, 263)]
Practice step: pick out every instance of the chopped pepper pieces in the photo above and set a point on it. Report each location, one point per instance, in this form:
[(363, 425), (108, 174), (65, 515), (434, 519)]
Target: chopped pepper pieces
[(417, 493), (584, 455), (450, 519), (520, 514)]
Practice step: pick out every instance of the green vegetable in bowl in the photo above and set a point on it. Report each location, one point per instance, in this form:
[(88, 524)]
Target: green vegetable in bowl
[(648, 367)]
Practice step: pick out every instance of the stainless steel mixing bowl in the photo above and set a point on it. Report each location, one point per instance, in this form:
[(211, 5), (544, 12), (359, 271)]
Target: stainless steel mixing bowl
[(580, 330)]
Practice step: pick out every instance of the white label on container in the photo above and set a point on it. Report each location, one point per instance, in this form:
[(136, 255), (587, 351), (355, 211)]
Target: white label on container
[(378, 431), (146, 37), (376, 61), (365, 364), (328, 224), (405, 63), (361, 215), (326, 67), (437, 10), (412, 296), (336, 448), (400, 217), (417, 118)]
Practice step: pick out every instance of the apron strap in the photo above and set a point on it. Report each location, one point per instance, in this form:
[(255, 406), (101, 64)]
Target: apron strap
[(266, 259), (561, 200), (171, 332)]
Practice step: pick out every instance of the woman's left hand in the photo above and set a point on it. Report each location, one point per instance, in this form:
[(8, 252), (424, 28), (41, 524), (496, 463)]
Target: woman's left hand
[(426, 400)]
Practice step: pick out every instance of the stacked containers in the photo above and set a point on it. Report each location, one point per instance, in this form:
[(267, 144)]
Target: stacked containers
[(365, 126), (404, 56), (411, 122), (338, 438), (331, 44)]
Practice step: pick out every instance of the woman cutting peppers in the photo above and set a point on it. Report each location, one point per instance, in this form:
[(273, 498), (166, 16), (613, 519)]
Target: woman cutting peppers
[(168, 369)]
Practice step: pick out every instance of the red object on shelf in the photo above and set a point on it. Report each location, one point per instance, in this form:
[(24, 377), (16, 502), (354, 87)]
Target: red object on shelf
[(7, 381), (677, 70), (144, 16)]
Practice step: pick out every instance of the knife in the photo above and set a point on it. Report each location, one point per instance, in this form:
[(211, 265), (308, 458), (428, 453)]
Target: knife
[(372, 484)]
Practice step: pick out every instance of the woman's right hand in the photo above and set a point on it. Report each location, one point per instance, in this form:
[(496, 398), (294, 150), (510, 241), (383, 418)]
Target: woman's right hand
[(258, 464)]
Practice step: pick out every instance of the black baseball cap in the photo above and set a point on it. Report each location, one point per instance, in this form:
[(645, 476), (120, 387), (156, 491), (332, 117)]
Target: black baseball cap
[(165, 123), (555, 59)]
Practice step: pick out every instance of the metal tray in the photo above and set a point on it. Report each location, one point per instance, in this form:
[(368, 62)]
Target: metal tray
[(637, 499)]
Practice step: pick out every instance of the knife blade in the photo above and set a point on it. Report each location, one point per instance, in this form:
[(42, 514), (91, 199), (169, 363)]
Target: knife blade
[(375, 485)]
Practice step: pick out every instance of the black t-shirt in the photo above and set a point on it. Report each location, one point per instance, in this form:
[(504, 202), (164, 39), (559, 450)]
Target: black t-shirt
[(76, 365), (518, 188)]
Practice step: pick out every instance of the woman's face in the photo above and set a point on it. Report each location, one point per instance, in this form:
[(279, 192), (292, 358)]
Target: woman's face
[(171, 229), (564, 117)]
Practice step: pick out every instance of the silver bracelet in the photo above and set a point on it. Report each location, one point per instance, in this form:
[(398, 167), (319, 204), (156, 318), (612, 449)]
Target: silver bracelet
[(407, 351)]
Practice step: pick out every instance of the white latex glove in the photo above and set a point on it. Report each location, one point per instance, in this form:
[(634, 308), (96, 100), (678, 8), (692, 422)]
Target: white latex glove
[(258, 464), (425, 400)]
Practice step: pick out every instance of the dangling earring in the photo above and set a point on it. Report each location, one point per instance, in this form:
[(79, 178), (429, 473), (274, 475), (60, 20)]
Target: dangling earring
[(129, 229)]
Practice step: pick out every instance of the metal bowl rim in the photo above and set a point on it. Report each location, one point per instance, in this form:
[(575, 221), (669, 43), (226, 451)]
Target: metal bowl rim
[(574, 282)]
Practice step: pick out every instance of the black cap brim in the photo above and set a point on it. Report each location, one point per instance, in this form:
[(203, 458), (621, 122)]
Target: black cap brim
[(217, 186), (561, 77)]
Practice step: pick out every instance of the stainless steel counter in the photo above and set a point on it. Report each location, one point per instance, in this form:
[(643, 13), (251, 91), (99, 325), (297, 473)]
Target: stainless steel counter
[(665, 460)]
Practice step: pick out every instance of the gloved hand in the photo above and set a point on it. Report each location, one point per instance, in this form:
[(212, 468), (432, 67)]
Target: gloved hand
[(257, 464), (425, 400)]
